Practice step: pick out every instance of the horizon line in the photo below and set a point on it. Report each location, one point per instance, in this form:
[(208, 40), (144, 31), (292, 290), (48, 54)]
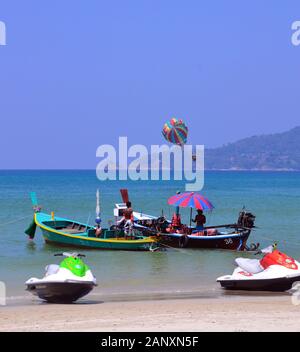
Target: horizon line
[(205, 170)]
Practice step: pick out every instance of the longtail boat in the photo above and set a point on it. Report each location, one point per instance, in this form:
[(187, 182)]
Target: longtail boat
[(228, 236), (233, 236), (67, 232)]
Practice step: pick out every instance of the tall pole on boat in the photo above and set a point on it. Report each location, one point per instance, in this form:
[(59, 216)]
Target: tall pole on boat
[(177, 208), (98, 211), (191, 213)]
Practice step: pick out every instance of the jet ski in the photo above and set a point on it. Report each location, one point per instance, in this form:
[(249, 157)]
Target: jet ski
[(63, 283), (274, 272)]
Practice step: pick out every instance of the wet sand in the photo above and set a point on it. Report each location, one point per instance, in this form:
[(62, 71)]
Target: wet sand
[(248, 313)]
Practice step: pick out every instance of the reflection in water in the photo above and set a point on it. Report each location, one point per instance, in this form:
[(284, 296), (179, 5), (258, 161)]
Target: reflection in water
[(158, 262), (30, 246)]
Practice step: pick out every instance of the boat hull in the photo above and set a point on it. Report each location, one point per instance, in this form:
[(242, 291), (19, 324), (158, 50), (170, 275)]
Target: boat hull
[(274, 285), (60, 292), (233, 242), (64, 240)]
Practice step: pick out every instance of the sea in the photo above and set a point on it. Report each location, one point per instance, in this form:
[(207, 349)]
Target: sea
[(274, 197)]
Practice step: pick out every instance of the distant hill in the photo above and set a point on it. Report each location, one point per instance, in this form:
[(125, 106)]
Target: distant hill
[(280, 151)]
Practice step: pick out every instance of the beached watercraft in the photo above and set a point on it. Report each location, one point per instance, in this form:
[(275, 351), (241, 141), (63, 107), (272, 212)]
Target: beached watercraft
[(64, 283), (73, 233), (274, 272)]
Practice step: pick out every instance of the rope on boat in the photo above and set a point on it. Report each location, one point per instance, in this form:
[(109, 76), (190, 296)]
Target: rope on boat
[(14, 221), (178, 249)]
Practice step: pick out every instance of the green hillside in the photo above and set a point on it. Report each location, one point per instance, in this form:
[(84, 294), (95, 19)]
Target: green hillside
[(280, 151)]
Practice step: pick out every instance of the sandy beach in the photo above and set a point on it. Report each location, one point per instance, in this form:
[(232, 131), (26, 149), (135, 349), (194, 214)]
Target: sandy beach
[(191, 314)]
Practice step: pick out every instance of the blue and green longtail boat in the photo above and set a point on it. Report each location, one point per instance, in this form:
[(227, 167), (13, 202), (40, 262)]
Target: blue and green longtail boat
[(67, 232)]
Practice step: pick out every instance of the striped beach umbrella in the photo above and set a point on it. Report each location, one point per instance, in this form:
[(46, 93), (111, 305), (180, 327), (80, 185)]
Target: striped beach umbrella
[(191, 200), (175, 131)]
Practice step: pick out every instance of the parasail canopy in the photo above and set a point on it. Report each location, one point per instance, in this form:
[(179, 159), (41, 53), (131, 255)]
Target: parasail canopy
[(175, 131)]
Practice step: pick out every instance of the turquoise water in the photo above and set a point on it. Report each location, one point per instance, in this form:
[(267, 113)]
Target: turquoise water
[(273, 197)]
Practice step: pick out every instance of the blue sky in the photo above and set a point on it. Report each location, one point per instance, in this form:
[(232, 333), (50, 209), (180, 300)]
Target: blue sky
[(77, 74)]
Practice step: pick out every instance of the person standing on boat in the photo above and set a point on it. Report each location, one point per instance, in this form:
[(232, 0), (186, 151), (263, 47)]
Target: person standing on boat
[(127, 219), (200, 220)]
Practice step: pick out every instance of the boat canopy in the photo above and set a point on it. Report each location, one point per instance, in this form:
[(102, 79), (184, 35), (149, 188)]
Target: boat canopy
[(118, 211)]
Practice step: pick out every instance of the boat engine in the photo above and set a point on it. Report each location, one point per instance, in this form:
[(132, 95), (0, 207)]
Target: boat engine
[(246, 219)]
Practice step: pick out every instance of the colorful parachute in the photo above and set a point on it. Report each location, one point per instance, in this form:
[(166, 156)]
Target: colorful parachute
[(175, 131)]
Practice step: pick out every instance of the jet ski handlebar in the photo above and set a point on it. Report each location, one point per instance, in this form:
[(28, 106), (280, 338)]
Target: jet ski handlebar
[(66, 254), (268, 249)]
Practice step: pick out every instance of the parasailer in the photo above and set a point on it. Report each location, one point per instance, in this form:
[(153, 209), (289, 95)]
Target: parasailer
[(175, 131)]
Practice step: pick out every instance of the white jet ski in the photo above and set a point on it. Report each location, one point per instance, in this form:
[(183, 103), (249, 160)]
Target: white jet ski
[(64, 283), (274, 272)]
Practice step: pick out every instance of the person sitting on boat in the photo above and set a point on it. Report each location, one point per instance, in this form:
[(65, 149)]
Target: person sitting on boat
[(127, 219), (98, 230), (175, 223), (200, 220)]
